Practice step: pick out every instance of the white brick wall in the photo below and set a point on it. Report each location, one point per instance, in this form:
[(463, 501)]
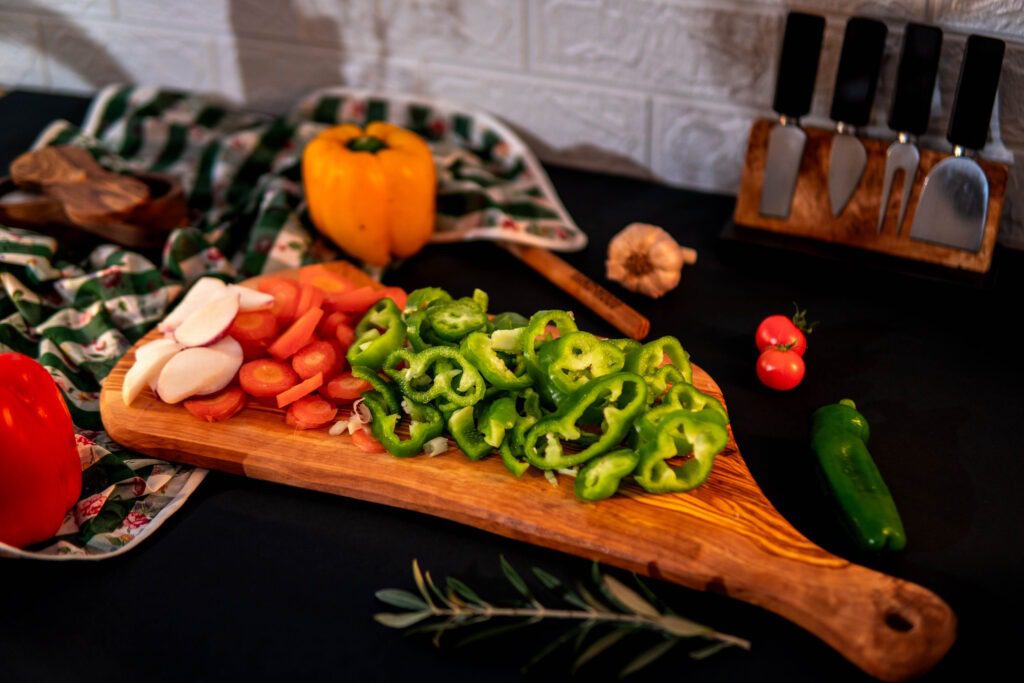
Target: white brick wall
[(656, 88)]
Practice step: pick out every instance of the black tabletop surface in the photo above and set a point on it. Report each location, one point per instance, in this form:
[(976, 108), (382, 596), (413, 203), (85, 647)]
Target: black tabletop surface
[(257, 580)]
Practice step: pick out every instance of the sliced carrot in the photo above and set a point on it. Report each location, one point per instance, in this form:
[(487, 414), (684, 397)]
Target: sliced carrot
[(325, 279), (339, 351), (303, 388), (310, 412), (365, 442), (345, 335), (328, 327), (309, 297), (266, 377), (253, 350), (254, 326), (216, 407), (316, 356), (296, 336), (360, 299), (286, 297), (345, 388)]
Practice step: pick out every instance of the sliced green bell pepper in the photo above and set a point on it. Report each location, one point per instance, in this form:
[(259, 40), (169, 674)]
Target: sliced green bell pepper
[(647, 361), (512, 451), (431, 374), (680, 432), (380, 332), (621, 397), (425, 424), (479, 349), (423, 298), (507, 321), (378, 385), (681, 397), (497, 419), (537, 334), (453, 320), (464, 430), (600, 477), (574, 359), (839, 436)]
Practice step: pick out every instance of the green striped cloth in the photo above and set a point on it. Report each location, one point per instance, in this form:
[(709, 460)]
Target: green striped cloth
[(241, 172)]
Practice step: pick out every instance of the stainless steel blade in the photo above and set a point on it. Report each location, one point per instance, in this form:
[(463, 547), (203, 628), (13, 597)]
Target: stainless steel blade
[(901, 156), (953, 206), (781, 168), (845, 167)]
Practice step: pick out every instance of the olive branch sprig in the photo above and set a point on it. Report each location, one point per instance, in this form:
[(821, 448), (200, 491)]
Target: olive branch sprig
[(623, 610)]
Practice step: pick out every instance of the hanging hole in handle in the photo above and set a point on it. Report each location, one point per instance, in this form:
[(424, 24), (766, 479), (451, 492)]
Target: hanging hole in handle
[(898, 622)]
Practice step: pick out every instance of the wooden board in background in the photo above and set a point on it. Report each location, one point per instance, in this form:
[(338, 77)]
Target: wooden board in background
[(811, 217), (724, 536)]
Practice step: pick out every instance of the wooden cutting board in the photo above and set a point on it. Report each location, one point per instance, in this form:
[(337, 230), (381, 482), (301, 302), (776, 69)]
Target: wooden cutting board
[(724, 537)]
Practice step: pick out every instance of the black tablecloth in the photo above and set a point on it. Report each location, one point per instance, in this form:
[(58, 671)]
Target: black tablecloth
[(258, 580)]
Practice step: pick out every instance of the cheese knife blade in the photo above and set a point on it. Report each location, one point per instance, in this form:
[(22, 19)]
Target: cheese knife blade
[(794, 86), (911, 109), (954, 199), (856, 80)]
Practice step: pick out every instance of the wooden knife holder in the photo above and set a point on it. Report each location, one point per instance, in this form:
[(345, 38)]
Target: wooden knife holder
[(857, 226)]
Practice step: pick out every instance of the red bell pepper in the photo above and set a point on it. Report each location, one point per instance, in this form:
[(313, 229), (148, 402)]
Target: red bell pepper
[(40, 471)]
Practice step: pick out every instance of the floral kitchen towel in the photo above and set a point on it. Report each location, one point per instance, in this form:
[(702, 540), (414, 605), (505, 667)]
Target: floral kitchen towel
[(242, 175)]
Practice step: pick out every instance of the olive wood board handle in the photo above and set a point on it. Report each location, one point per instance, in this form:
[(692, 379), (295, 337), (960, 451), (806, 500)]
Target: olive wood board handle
[(724, 536)]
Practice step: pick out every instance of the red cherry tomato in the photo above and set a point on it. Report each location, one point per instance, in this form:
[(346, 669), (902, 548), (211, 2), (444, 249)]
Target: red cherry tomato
[(778, 369), (40, 471), (779, 332)]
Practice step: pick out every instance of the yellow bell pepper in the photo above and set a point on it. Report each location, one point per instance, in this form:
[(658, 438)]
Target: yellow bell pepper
[(371, 191)]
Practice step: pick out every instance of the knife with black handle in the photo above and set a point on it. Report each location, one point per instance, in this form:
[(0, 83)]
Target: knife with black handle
[(856, 80), (794, 86), (954, 199)]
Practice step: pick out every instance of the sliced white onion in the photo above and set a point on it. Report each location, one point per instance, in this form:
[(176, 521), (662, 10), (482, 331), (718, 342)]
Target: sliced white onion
[(359, 408), (435, 446), (354, 424), (569, 471), (406, 406), (552, 479), (338, 428)]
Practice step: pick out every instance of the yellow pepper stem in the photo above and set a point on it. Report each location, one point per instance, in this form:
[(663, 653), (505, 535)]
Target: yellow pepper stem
[(366, 143)]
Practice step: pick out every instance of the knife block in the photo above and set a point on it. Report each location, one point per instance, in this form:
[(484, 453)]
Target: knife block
[(811, 217)]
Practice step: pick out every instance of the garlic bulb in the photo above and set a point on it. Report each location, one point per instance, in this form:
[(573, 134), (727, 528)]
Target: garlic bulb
[(644, 258)]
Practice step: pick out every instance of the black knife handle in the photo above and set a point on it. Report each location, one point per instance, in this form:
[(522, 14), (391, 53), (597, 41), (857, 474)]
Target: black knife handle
[(975, 92), (859, 64), (915, 79), (798, 63)]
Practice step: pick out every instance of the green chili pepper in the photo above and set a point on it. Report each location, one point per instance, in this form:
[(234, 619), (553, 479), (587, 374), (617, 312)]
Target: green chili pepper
[(574, 359), (429, 375), (536, 335), (600, 477), (425, 424), (622, 397), (839, 436), (379, 386), (469, 439), (647, 361), (679, 432), (380, 332), (480, 350), (507, 321)]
